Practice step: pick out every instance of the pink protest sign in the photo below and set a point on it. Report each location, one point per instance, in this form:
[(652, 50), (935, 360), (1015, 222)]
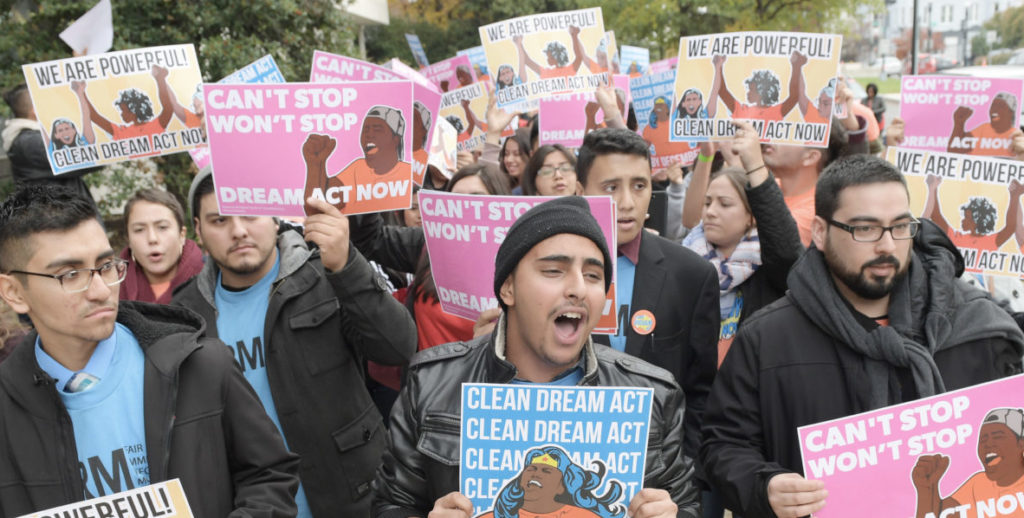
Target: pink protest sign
[(566, 118), (956, 455), (664, 65), (426, 104), (466, 230), (332, 68), (273, 146), (967, 115), (451, 73)]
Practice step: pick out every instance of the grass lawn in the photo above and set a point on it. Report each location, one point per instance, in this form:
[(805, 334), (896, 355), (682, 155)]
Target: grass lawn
[(889, 85)]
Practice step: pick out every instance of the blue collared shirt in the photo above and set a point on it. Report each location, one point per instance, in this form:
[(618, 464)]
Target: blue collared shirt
[(97, 366)]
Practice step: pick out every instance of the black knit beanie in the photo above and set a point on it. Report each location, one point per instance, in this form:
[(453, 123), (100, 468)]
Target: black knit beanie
[(565, 215)]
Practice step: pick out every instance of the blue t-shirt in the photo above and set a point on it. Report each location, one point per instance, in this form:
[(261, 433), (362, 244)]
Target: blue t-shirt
[(624, 296), (109, 417), (241, 316)]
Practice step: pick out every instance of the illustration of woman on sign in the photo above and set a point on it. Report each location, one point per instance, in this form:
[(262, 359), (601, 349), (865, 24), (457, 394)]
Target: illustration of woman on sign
[(552, 485)]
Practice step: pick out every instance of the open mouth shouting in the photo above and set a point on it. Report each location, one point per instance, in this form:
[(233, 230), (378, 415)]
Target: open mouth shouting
[(568, 325), (992, 459), (534, 483), (369, 148)]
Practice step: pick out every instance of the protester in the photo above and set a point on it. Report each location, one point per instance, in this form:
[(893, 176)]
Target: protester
[(797, 169), (509, 156), (875, 315), (747, 233), (300, 321), (402, 248), (551, 275), (876, 103), (24, 145), (660, 281), (133, 391), (550, 172), (160, 258)]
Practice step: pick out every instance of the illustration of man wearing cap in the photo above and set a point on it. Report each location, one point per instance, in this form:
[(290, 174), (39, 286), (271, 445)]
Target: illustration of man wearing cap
[(990, 138), (1001, 452), (421, 121), (551, 484), (551, 275), (557, 57), (383, 145)]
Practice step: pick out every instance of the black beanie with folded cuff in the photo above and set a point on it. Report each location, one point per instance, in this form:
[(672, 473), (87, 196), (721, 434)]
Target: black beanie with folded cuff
[(565, 215)]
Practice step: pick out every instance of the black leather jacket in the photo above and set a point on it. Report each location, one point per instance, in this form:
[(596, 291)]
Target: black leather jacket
[(422, 460)]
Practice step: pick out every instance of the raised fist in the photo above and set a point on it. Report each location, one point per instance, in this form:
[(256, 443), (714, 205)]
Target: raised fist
[(797, 59), (718, 60), (961, 114), (78, 86), (933, 181), (159, 72), (317, 148), (929, 470), (573, 30)]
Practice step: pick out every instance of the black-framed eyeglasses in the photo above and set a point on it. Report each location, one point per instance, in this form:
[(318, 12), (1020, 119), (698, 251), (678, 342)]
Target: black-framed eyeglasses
[(561, 168), (77, 281), (872, 233)]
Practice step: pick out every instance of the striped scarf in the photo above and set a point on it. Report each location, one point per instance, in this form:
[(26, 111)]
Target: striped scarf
[(732, 270)]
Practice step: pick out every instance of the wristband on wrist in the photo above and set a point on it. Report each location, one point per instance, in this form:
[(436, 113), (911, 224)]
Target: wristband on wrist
[(755, 169), (703, 158)]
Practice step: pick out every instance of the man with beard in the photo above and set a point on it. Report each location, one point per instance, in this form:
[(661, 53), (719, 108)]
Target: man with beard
[(383, 145), (551, 275), (300, 314), (875, 315)]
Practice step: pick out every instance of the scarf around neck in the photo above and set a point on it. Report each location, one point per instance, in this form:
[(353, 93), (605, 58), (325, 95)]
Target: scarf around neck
[(919, 325), (733, 270)]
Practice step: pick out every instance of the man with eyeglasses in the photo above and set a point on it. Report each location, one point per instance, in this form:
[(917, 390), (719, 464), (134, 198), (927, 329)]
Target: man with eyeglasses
[(875, 315), (104, 397)]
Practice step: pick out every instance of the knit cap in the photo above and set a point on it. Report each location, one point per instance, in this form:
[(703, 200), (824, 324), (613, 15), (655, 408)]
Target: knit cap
[(565, 215)]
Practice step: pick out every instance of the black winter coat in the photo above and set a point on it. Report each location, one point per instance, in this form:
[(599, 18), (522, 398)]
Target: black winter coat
[(203, 424)]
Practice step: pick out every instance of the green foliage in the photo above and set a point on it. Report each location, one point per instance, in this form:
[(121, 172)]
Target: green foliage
[(1009, 27), (979, 45), (227, 34), (445, 26)]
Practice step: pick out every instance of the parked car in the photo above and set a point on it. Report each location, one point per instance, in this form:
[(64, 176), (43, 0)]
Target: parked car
[(944, 63), (926, 64), (888, 66), (1017, 58)]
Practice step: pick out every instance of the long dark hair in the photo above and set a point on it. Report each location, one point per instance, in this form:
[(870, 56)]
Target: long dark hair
[(521, 137), (537, 161)]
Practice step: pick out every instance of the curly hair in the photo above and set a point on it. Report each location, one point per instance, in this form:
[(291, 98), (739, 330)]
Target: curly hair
[(558, 51), (580, 485), (983, 212), (137, 102), (767, 85), (455, 121)]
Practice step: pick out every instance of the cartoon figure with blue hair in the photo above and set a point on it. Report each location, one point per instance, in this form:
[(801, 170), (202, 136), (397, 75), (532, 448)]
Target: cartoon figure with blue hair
[(551, 484)]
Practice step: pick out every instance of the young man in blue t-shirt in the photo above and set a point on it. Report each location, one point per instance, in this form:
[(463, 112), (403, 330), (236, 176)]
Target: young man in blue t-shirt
[(105, 397), (300, 320)]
